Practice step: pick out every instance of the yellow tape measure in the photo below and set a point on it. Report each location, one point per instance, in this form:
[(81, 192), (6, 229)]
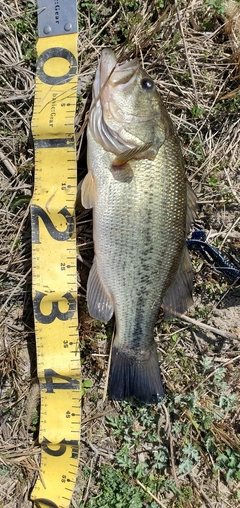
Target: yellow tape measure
[(54, 253)]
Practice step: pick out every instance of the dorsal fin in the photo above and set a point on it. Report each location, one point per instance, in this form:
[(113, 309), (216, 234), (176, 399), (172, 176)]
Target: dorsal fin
[(191, 207), (179, 295)]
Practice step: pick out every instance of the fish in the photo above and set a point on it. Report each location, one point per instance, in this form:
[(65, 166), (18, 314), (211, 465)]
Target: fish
[(142, 209)]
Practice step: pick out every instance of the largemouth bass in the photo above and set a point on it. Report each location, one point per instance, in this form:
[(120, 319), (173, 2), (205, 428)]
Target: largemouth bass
[(137, 188)]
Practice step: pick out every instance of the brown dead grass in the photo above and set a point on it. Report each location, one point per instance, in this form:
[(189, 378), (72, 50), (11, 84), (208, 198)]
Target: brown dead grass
[(193, 54)]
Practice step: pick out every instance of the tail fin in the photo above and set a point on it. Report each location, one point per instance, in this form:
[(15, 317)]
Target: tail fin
[(134, 378)]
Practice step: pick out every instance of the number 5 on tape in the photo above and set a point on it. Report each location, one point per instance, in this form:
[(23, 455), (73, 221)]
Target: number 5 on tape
[(54, 253)]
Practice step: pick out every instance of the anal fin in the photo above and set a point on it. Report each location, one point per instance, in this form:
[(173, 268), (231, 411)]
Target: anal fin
[(99, 302), (179, 295)]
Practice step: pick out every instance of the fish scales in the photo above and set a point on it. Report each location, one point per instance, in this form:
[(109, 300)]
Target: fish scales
[(139, 227), (136, 239)]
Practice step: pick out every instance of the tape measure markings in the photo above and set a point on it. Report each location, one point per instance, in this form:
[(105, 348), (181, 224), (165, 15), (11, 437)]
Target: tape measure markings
[(54, 143), (54, 254)]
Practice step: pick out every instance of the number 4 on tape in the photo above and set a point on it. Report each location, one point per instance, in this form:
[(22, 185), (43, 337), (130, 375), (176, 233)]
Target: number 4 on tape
[(54, 253)]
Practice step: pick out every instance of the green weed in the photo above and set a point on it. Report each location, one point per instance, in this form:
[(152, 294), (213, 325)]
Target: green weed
[(26, 28), (197, 111), (86, 386), (143, 453), (216, 5), (229, 464)]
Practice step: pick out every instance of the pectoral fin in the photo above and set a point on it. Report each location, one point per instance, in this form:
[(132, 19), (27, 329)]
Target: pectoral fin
[(78, 202), (179, 295), (88, 191), (100, 305), (134, 153)]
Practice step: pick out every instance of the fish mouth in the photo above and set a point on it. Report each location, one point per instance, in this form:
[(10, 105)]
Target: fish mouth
[(111, 73), (108, 122)]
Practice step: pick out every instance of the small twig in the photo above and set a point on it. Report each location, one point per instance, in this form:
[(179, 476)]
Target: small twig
[(32, 401), (8, 164), (14, 290), (108, 368), (194, 322), (150, 493), (231, 186), (186, 51), (226, 293), (197, 341), (84, 261), (109, 21), (205, 497), (232, 227), (99, 451), (98, 415), (88, 483), (40, 473), (18, 234), (74, 502), (173, 460), (167, 429)]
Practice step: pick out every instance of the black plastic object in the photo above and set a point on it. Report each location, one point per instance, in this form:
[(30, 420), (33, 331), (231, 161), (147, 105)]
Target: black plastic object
[(197, 242)]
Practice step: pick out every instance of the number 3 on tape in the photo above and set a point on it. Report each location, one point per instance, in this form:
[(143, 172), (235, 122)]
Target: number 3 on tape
[(54, 253)]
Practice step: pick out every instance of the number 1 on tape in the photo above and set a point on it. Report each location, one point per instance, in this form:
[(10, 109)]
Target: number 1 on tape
[(54, 253)]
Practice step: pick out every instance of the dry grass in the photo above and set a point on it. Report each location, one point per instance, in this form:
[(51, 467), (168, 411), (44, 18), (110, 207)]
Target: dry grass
[(192, 51)]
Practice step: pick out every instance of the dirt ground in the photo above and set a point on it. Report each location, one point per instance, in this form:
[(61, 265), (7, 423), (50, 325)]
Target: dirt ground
[(186, 452)]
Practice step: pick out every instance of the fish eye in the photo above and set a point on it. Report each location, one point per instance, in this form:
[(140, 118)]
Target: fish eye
[(147, 84)]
